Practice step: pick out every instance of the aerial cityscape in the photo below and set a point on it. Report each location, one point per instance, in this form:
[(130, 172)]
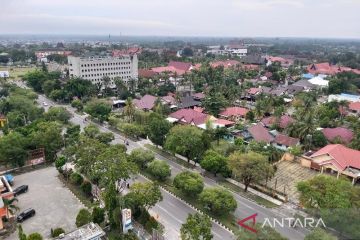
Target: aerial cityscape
[(186, 120)]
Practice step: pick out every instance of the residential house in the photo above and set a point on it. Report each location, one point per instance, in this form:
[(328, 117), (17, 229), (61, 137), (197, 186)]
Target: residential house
[(354, 107), (253, 59), (259, 133), (234, 113), (284, 121), (284, 142), (344, 97), (226, 64), (284, 62), (196, 118), (329, 69), (146, 103), (146, 73), (336, 158), (305, 84), (339, 133), (179, 68), (188, 102)]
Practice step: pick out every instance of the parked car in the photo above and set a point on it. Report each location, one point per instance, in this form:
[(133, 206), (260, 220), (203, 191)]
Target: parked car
[(21, 189), (28, 213), (45, 104)]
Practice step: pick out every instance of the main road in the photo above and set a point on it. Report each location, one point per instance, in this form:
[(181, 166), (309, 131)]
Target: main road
[(173, 212)]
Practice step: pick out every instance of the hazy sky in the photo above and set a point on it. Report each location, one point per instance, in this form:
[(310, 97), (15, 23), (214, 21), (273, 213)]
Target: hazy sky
[(234, 18)]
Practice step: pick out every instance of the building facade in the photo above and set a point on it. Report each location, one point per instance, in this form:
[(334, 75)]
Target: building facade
[(95, 69)]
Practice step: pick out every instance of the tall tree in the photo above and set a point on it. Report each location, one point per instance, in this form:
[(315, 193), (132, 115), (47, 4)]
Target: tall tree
[(250, 167), (186, 140), (214, 162), (189, 183), (219, 201), (196, 227)]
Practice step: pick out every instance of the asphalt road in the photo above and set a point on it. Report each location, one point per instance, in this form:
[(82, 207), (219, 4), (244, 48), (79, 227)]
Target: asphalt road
[(245, 207)]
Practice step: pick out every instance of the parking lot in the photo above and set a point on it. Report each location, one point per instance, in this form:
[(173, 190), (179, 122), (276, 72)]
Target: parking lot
[(54, 204)]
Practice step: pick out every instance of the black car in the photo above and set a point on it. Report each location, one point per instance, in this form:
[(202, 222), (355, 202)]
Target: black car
[(21, 189), (28, 213)]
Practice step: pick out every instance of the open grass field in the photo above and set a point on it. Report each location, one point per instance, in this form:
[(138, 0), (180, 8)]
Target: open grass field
[(17, 72)]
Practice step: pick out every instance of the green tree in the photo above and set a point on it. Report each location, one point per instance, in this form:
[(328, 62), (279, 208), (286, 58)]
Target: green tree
[(99, 109), (86, 187), (262, 233), (58, 114), (250, 116), (12, 149), (129, 110), (146, 194), (250, 167), (98, 215), (214, 162), (325, 192), (76, 103), (186, 140), (214, 102), (196, 227), (159, 169), (189, 183), (218, 201), (157, 129), (141, 157), (319, 234), (83, 217), (318, 139)]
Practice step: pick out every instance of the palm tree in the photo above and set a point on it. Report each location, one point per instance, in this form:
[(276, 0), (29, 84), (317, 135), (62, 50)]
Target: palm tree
[(10, 207), (129, 109)]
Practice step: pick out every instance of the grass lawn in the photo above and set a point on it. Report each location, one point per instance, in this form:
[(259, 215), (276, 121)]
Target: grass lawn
[(17, 72), (247, 195)]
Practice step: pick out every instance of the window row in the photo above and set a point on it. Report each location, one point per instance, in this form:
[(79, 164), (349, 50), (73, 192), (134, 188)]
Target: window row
[(104, 64), (103, 69)]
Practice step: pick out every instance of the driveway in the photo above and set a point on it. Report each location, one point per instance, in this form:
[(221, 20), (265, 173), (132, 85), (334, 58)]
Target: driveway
[(54, 204)]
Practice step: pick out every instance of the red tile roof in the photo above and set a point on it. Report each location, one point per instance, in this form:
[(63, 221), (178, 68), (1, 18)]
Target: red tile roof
[(344, 134), (225, 64), (146, 102), (342, 157), (146, 73), (286, 140), (354, 106), (260, 133), (184, 66), (224, 122), (198, 109), (285, 121), (328, 69), (251, 67), (254, 91), (169, 99), (170, 69), (190, 116), (234, 111), (280, 60)]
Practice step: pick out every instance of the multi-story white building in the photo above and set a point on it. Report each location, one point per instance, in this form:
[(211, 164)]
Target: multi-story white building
[(95, 69)]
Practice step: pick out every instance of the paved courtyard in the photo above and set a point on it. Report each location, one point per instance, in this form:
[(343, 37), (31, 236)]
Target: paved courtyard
[(54, 204)]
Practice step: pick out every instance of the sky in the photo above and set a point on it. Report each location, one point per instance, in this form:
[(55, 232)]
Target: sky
[(218, 18)]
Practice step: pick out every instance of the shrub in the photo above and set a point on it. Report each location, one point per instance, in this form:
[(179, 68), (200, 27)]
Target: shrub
[(189, 183), (83, 217), (56, 232), (159, 169), (60, 161), (218, 201), (34, 236), (76, 178), (86, 187), (98, 215)]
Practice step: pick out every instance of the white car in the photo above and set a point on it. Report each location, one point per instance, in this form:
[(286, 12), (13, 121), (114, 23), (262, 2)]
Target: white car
[(45, 104)]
